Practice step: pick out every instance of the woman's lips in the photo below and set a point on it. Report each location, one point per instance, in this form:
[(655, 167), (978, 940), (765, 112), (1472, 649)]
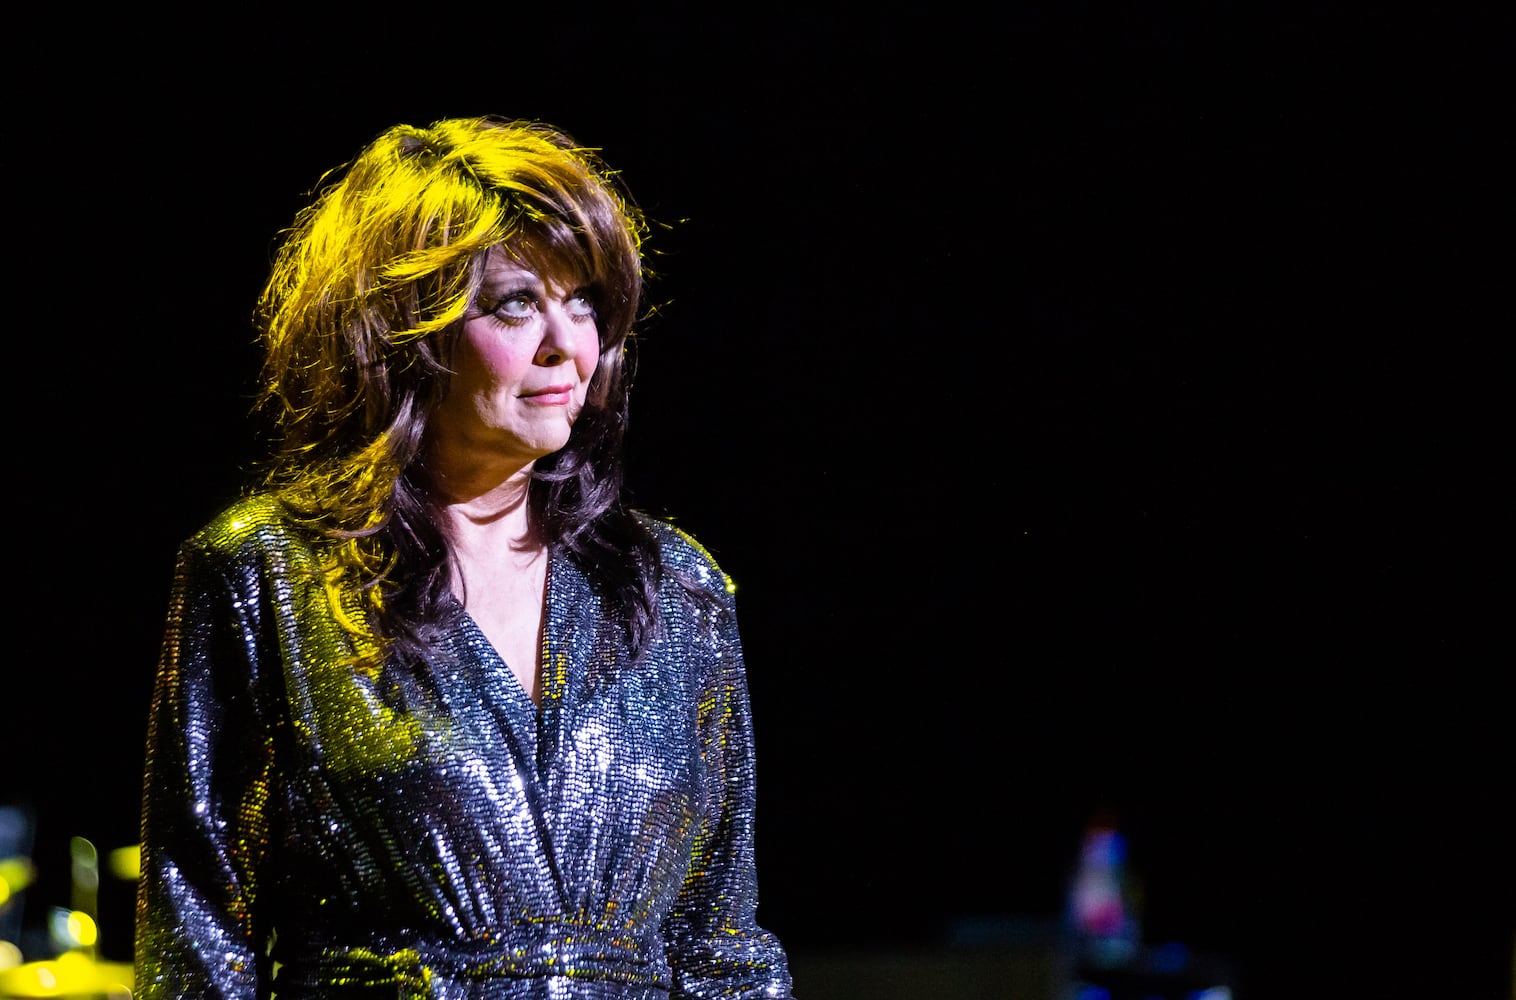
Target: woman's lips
[(550, 395)]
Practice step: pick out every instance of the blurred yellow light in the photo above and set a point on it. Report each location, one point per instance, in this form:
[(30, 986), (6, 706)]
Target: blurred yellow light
[(72, 974), (15, 874), (126, 862), (82, 929)]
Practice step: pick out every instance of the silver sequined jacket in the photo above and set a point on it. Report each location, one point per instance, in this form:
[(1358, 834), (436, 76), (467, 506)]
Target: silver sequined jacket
[(313, 831)]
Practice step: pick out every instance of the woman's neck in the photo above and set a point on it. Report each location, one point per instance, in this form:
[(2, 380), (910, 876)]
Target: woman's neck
[(491, 516)]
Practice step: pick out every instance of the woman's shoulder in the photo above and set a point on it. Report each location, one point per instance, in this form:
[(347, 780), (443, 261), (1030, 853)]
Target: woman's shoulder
[(683, 553), (249, 527)]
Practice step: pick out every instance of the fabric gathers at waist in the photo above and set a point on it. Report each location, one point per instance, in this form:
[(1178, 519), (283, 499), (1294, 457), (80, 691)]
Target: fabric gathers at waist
[(416, 968)]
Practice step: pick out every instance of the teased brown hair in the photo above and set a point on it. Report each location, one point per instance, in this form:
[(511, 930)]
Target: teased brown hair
[(358, 319)]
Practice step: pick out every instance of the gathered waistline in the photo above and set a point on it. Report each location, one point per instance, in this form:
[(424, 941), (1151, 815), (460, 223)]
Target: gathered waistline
[(420, 967)]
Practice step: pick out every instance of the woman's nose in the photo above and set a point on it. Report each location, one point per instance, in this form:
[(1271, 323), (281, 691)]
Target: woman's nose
[(557, 345)]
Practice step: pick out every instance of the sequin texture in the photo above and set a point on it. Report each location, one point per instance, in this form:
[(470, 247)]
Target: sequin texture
[(316, 831)]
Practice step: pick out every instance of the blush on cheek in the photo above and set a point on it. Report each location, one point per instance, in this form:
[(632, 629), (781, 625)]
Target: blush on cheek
[(589, 357), (501, 359), (590, 362)]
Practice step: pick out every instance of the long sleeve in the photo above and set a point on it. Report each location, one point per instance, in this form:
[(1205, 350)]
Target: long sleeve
[(717, 948), (205, 792)]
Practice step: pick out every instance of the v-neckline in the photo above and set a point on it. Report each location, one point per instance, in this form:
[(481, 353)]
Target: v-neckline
[(534, 723), (539, 666)]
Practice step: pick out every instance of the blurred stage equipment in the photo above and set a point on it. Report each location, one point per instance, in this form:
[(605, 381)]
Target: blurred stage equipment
[(1110, 958), (75, 969)]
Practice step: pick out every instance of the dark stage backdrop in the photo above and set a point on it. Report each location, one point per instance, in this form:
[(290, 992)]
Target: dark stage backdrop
[(1094, 409)]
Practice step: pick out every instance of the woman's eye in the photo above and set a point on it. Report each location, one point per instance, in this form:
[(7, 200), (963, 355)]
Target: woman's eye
[(580, 306), (515, 307)]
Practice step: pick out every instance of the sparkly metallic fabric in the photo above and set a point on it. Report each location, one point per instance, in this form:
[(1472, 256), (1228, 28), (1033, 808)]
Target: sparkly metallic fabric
[(313, 831)]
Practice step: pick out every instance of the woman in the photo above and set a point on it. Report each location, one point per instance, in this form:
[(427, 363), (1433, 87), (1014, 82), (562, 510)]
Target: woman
[(437, 714)]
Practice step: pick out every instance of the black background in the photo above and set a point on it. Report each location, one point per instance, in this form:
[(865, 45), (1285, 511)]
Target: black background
[(1095, 410)]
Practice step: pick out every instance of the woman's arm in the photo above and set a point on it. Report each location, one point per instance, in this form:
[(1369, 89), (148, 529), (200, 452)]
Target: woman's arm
[(206, 790), (715, 945)]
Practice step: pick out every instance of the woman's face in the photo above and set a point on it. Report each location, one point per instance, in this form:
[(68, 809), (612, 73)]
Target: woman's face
[(522, 366)]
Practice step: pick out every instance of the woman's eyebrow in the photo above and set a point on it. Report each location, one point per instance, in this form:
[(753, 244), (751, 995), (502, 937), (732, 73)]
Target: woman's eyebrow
[(515, 278)]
